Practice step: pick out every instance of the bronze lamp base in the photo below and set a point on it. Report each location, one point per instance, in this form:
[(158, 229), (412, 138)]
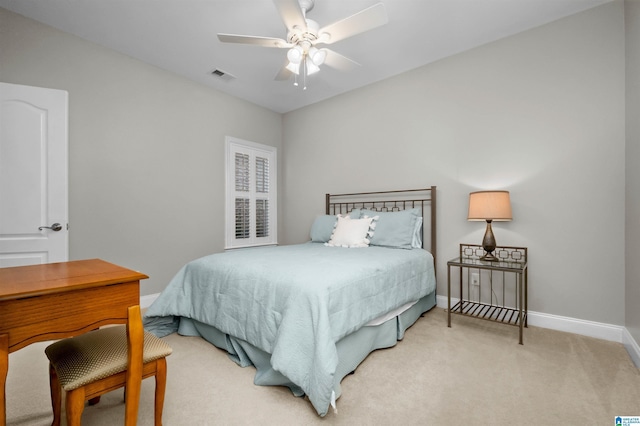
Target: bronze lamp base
[(489, 244)]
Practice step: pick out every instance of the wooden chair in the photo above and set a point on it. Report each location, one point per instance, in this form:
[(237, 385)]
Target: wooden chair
[(94, 363)]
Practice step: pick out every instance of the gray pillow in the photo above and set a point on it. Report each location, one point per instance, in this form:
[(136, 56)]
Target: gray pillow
[(394, 229), (322, 228), (355, 214)]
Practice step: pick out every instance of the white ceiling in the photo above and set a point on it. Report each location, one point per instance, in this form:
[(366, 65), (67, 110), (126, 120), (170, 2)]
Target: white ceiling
[(180, 36)]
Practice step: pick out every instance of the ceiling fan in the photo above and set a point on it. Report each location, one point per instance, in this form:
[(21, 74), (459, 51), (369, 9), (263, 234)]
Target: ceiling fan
[(304, 35)]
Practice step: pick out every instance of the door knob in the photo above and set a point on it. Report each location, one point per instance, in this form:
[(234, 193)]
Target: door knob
[(55, 227)]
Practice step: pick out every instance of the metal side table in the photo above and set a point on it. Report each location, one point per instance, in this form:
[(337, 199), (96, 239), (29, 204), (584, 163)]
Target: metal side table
[(490, 290)]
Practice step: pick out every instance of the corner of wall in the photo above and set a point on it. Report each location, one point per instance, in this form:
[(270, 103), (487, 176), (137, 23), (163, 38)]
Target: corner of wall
[(631, 346)]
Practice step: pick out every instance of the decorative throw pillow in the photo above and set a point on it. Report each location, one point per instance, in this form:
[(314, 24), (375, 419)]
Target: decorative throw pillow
[(324, 225), (352, 232)]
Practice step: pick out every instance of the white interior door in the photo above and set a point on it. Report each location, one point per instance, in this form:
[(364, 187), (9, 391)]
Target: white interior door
[(33, 175)]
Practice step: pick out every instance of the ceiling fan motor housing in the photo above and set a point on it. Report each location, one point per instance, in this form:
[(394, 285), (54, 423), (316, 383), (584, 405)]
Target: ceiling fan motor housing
[(304, 36)]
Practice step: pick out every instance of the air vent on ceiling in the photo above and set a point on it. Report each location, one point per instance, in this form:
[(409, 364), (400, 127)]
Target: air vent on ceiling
[(223, 75)]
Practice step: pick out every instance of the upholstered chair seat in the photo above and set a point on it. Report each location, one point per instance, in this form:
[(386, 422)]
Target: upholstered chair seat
[(94, 363)]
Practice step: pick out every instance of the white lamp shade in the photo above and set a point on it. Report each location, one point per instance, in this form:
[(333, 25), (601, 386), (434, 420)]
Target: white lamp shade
[(489, 205), (317, 56), (311, 67), (294, 68), (295, 54)]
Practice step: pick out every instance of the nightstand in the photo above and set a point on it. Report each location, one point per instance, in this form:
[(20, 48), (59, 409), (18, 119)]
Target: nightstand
[(490, 290)]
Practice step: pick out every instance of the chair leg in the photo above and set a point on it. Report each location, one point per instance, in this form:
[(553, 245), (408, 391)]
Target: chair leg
[(75, 405), (161, 384), (56, 395)]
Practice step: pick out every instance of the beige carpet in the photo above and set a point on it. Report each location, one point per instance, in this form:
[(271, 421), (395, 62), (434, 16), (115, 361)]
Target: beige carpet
[(474, 373)]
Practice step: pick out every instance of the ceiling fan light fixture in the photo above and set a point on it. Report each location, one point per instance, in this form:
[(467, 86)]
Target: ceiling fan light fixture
[(295, 54), (317, 55), (312, 68), (294, 68)]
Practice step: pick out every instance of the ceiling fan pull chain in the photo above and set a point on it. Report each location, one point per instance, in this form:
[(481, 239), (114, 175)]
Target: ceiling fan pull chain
[(304, 72)]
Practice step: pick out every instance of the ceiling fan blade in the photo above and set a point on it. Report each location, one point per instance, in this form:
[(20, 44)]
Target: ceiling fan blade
[(338, 61), (362, 21), (291, 13), (255, 40)]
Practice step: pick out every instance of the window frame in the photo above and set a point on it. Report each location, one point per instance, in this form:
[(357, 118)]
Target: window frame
[(235, 145)]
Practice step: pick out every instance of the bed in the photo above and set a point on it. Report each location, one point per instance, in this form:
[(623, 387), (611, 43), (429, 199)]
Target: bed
[(306, 315)]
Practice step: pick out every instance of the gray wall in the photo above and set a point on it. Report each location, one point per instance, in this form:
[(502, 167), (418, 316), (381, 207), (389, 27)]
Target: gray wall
[(146, 149), (541, 114), (632, 25)]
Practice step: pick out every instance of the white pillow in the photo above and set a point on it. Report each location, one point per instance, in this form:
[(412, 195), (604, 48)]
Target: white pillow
[(351, 232)]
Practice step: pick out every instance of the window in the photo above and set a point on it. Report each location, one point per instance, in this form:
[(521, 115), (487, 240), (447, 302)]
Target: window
[(251, 202)]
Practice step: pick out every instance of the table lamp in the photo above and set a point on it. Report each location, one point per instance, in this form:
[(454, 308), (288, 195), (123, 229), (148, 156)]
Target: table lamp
[(489, 206)]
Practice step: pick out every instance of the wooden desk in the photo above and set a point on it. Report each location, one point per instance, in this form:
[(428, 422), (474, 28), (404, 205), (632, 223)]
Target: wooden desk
[(58, 300)]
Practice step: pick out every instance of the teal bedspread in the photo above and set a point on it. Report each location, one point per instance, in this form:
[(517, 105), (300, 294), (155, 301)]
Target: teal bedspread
[(294, 302)]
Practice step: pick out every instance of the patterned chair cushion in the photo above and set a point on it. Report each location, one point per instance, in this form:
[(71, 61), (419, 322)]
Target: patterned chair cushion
[(98, 354)]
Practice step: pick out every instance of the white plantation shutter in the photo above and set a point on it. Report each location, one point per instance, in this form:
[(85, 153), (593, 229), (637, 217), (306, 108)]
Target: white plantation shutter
[(251, 194), (262, 175), (242, 219), (242, 203), (242, 172), (262, 197)]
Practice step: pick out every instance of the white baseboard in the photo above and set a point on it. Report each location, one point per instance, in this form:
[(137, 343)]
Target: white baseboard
[(613, 333), (632, 347), (598, 330)]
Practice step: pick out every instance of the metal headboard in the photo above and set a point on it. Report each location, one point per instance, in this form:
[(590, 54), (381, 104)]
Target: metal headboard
[(390, 201)]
